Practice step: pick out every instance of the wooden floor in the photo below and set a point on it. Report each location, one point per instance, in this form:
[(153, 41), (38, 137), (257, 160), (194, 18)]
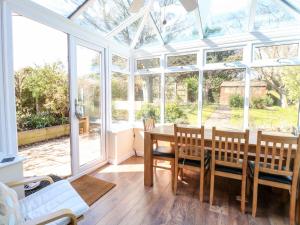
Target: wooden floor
[(131, 203)]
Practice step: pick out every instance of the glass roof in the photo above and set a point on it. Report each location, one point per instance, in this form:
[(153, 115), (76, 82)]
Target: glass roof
[(168, 17)]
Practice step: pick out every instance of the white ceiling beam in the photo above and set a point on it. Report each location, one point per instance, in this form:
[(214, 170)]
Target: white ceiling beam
[(142, 25), (289, 9), (81, 9), (252, 12), (201, 32), (126, 23), (156, 30)]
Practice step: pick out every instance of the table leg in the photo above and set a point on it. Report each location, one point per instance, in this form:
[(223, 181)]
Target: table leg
[(148, 160)]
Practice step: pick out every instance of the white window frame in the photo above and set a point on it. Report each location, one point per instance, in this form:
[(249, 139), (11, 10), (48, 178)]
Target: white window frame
[(147, 71), (170, 69)]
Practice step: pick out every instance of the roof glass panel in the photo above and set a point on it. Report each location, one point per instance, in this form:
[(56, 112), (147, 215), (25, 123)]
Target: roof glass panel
[(221, 17), (174, 22), (148, 37), (127, 35), (62, 7), (270, 14), (104, 15)]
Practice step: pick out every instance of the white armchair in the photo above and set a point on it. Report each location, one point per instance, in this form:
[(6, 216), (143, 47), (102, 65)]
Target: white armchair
[(56, 204)]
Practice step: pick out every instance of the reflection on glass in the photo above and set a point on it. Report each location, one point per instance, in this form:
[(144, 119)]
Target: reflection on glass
[(126, 36), (180, 25), (143, 64), (119, 88), (62, 7), (182, 60), (181, 97), (147, 96), (148, 37), (275, 107), (89, 100), (223, 99), (42, 97), (104, 15), (224, 56), (120, 62), (283, 51), (270, 14)]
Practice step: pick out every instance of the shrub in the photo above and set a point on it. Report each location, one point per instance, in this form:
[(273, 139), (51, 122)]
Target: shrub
[(174, 114), (40, 120), (262, 102), (236, 101), (148, 111)]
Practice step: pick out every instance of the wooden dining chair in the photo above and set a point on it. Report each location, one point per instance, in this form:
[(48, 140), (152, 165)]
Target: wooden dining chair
[(190, 153), (161, 152), (229, 159), (274, 167)]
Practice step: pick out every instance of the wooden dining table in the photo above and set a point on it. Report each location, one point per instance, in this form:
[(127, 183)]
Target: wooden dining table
[(166, 133)]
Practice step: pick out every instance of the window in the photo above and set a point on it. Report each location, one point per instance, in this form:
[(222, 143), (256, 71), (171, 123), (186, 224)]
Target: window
[(225, 56), (275, 101), (181, 97), (182, 60), (119, 87), (120, 62), (223, 98), (144, 64), (147, 96), (276, 51), (42, 97)]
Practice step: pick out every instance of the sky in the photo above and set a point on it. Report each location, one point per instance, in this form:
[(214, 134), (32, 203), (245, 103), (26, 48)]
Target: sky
[(37, 44)]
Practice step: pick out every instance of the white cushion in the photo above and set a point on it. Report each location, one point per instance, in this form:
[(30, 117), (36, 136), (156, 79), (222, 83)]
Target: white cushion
[(59, 195), (10, 213)]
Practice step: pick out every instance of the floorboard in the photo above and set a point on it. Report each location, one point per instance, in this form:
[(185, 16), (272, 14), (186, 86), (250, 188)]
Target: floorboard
[(132, 203)]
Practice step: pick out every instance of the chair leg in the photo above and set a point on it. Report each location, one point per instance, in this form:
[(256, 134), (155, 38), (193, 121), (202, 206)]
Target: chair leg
[(176, 178), (181, 173), (155, 163), (173, 172), (254, 201), (201, 185), (243, 194), (212, 184), (292, 207)]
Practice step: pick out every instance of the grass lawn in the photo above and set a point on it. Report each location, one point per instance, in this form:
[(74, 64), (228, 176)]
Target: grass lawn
[(274, 118), (207, 111)]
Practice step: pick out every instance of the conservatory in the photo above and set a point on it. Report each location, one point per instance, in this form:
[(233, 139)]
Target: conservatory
[(79, 80)]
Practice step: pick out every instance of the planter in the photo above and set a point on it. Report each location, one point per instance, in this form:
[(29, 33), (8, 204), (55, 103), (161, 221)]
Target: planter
[(43, 134)]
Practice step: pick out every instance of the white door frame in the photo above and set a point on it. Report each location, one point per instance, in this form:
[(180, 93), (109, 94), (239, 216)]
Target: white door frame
[(78, 170)]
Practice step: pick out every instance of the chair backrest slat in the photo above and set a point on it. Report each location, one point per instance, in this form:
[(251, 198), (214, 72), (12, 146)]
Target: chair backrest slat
[(229, 151), (189, 142), (149, 124), (279, 160)]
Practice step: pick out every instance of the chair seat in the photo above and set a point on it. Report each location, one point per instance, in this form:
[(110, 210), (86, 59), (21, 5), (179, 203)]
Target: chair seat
[(269, 177), (194, 163), (228, 169), (57, 196), (164, 151)]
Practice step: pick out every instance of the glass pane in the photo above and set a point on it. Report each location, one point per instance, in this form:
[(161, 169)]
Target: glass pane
[(42, 97), (127, 35), (181, 97), (223, 99), (104, 15), (120, 62), (175, 23), (62, 7), (269, 14), (221, 17), (274, 103), (182, 60), (89, 104), (276, 51), (147, 96), (119, 87), (143, 64), (224, 56), (148, 37)]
